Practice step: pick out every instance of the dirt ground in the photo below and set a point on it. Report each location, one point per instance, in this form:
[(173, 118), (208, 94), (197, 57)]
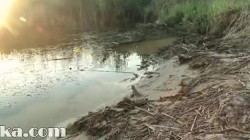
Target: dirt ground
[(201, 92)]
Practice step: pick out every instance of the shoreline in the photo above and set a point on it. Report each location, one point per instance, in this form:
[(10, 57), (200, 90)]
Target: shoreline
[(150, 87), (182, 103)]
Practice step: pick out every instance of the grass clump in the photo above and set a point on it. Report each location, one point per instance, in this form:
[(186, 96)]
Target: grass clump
[(200, 15)]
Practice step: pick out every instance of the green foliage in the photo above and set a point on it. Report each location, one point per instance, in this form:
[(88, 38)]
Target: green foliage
[(200, 13), (90, 14), (87, 14)]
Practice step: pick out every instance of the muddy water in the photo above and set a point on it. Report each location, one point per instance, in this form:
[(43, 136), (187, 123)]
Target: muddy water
[(44, 87)]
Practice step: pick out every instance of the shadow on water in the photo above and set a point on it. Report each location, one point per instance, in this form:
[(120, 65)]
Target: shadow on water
[(43, 87)]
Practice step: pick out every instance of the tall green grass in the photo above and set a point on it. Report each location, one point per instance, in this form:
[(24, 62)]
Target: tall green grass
[(200, 14), (81, 14)]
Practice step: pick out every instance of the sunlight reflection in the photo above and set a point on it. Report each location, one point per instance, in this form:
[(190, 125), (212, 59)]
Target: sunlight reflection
[(5, 7), (8, 65)]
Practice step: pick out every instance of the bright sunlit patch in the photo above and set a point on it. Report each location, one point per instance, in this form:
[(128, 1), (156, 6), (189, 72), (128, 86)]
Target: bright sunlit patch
[(22, 19), (5, 6)]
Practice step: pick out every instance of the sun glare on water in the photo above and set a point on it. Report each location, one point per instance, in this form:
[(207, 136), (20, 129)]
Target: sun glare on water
[(5, 6)]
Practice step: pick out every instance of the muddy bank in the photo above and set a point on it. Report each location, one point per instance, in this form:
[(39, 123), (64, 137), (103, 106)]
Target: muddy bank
[(119, 37), (207, 99)]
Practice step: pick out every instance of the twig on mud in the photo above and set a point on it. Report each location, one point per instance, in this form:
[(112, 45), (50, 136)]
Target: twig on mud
[(195, 118), (172, 118), (168, 115), (243, 84), (149, 126), (184, 48), (161, 126), (198, 113), (141, 109), (176, 135), (187, 112), (190, 87), (152, 127)]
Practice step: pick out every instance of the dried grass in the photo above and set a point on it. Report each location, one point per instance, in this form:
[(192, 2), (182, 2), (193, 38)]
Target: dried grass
[(238, 31)]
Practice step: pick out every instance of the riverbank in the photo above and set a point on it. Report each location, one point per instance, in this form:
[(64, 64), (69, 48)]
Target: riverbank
[(203, 96), (40, 84)]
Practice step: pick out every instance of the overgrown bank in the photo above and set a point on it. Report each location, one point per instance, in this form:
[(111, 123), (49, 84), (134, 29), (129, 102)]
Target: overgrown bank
[(92, 14), (211, 105), (48, 22)]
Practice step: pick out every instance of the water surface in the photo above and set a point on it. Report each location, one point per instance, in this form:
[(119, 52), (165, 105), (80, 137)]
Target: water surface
[(44, 87)]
